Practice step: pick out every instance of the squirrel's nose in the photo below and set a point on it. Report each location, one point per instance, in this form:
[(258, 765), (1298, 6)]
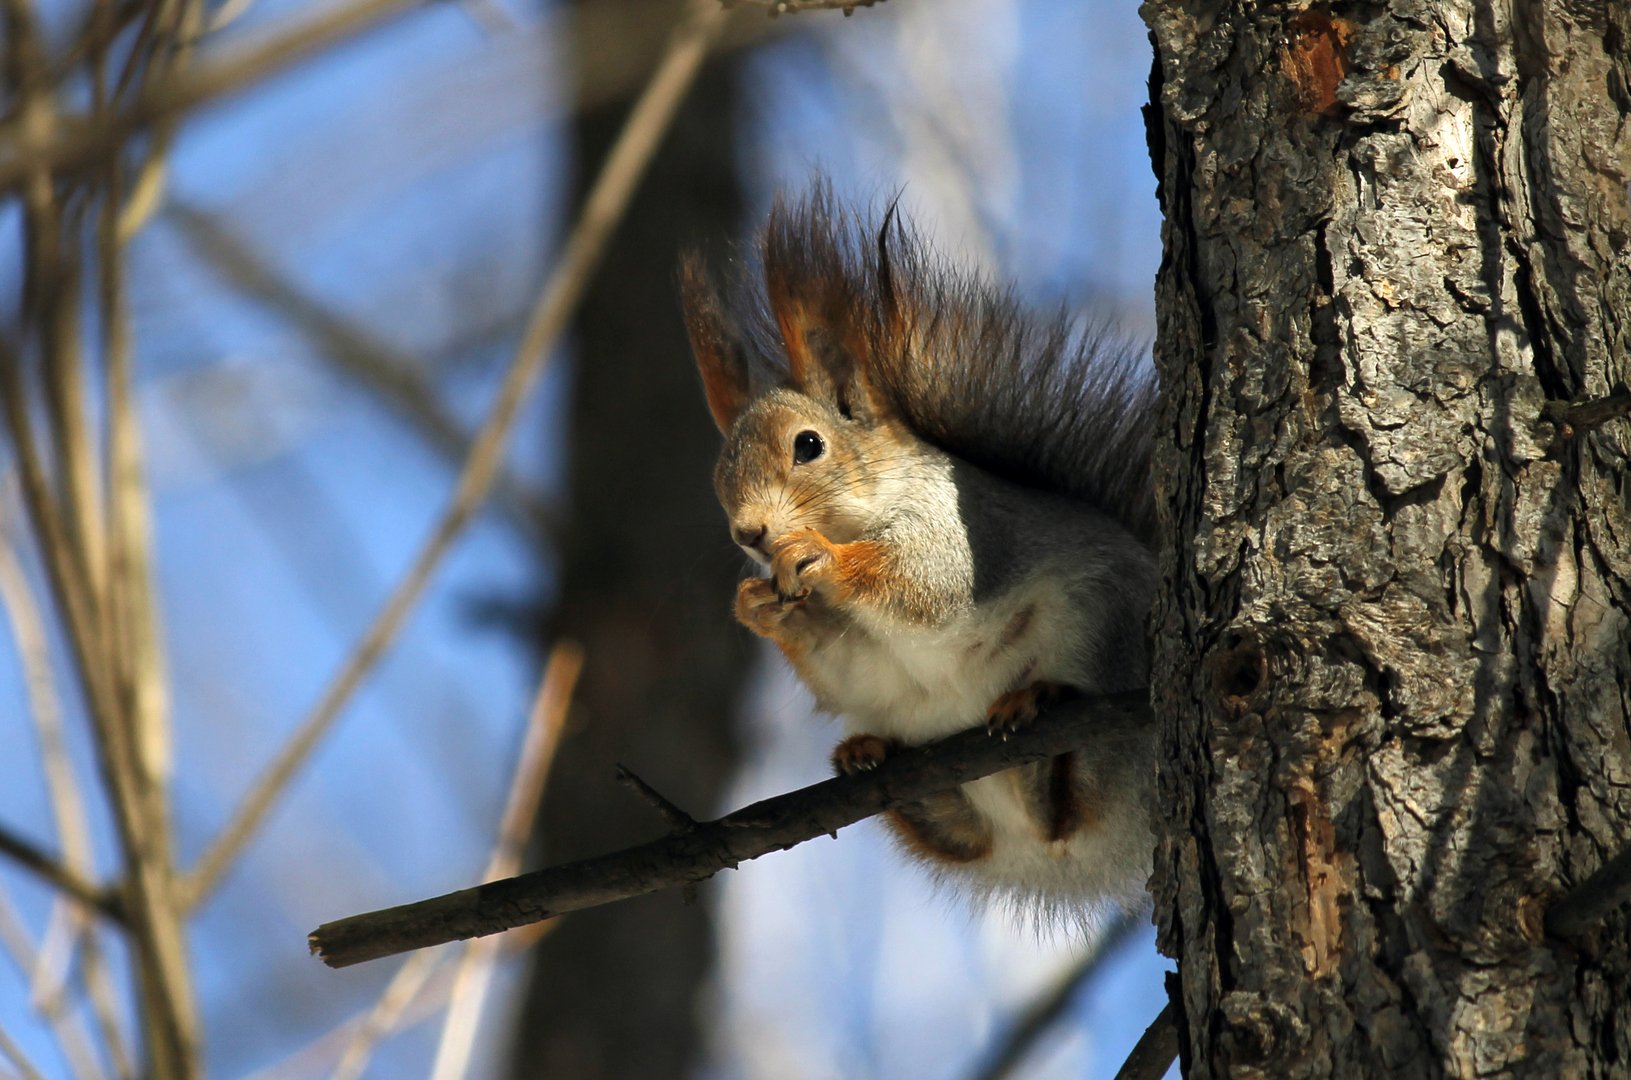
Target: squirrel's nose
[(749, 538)]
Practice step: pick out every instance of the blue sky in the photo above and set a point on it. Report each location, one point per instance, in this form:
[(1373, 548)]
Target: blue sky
[(412, 181)]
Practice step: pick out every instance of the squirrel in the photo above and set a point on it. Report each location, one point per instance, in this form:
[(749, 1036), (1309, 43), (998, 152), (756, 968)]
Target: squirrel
[(951, 501)]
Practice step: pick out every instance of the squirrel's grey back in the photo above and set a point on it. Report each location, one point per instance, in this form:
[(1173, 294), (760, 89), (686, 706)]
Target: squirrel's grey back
[(1039, 400)]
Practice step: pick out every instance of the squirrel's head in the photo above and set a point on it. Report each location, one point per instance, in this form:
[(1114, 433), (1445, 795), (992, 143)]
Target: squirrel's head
[(856, 368), (809, 440)]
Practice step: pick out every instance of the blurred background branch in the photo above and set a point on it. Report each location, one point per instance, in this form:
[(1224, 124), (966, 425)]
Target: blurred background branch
[(550, 313), (395, 379)]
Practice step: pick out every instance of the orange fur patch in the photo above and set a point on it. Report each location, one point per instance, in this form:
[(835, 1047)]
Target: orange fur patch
[(865, 571), (916, 840), (724, 375), (795, 321), (862, 570), (797, 655)]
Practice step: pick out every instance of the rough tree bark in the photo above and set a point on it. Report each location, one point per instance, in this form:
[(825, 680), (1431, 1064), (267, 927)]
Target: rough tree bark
[(1394, 644), (614, 993)]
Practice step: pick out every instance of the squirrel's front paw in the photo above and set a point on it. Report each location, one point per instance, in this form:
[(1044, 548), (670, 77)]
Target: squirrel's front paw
[(759, 608), (1017, 708), (860, 753), (801, 564)]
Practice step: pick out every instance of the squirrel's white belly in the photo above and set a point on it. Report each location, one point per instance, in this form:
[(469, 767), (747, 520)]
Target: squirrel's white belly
[(923, 683), (1024, 868)]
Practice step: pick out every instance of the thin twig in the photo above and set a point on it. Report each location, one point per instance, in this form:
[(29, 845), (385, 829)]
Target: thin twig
[(678, 820), (69, 1034), (78, 145), (382, 1019), (430, 1000), (1155, 1050), (156, 938), (45, 706), (793, 7), (141, 719), (135, 642), (1574, 418), (68, 918), (544, 725), (56, 873), (132, 612), (1588, 902), (88, 648), (99, 990), (676, 860), (71, 536), (51, 298), (1050, 1007), (19, 1061), (86, 141), (97, 585), (359, 354), (601, 212), (474, 974)]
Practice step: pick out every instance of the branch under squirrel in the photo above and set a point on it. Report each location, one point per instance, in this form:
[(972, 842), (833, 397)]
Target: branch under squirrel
[(696, 854)]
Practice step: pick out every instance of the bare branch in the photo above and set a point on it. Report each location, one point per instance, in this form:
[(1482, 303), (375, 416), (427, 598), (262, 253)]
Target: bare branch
[(1156, 1049), (793, 7), (1048, 1009), (57, 874), (404, 987), (601, 212), (69, 1034), (25, 155), (71, 530), (85, 141), (27, 621), (143, 837), (13, 1053), (688, 857), (418, 991), (678, 820), (1574, 418), (1588, 902), (100, 992)]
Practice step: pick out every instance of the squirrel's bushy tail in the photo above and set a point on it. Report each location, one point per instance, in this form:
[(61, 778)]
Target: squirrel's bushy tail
[(1041, 400)]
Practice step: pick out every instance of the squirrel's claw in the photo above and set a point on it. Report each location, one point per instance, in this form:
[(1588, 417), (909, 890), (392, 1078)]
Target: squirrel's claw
[(1017, 708), (862, 753)]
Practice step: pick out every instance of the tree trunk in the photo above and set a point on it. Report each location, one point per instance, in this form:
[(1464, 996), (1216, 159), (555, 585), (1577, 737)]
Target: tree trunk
[(647, 571), (1394, 640)]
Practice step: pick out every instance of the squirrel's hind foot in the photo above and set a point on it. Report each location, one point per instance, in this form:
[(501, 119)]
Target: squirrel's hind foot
[(861, 753), (1017, 708)]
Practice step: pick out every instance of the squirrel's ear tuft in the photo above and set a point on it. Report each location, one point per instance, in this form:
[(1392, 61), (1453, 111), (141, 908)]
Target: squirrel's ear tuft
[(721, 359), (821, 307)]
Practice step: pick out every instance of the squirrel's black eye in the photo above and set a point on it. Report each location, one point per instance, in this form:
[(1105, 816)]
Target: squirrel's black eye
[(807, 446)]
